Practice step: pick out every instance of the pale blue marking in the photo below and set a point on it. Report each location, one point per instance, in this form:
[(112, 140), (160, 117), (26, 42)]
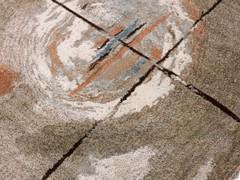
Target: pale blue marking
[(114, 42)]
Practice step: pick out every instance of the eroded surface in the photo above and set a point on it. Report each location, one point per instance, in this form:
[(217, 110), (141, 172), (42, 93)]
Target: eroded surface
[(59, 50), (59, 73)]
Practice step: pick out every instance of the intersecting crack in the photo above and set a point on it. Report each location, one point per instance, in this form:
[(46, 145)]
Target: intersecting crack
[(157, 65), (167, 72), (112, 43)]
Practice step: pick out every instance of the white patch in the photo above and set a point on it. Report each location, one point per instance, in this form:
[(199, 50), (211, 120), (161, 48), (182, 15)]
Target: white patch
[(66, 84), (176, 7), (66, 49), (96, 4), (132, 165), (204, 170), (238, 178), (146, 95), (43, 68)]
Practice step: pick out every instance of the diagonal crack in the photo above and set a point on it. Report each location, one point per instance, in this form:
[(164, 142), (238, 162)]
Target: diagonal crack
[(80, 16), (213, 101), (85, 6), (167, 72), (144, 76), (207, 12), (70, 151)]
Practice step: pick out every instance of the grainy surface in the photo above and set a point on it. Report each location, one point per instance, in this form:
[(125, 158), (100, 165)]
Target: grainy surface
[(49, 99)]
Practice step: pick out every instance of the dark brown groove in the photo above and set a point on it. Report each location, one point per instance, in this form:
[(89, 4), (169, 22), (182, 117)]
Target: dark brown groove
[(167, 72), (144, 76), (207, 12), (97, 61), (79, 16), (204, 96), (107, 40), (137, 29), (213, 101), (70, 152)]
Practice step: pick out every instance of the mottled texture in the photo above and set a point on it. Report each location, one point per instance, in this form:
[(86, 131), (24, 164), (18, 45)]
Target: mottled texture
[(181, 136)]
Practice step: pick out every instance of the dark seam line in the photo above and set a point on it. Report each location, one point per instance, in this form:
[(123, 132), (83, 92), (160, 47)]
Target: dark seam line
[(107, 40), (123, 43), (135, 50), (171, 74), (96, 62), (203, 95), (207, 12), (79, 16), (70, 152), (143, 77), (137, 29), (164, 70), (215, 102), (191, 87)]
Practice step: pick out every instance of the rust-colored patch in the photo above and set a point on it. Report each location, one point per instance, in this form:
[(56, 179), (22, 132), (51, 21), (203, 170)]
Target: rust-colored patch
[(119, 67), (52, 50), (191, 9), (117, 29), (198, 43), (156, 53), (100, 42), (148, 30), (93, 75), (7, 77)]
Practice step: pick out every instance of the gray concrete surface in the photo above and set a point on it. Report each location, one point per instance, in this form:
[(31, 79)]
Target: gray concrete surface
[(181, 136)]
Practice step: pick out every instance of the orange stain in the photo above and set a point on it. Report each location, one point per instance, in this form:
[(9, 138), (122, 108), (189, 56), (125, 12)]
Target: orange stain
[(156, 53), (147, 31), (52, 50), (199, 30), (117, 29), (93, 75), (7, 77), (105, 64), (191, 9), (198, 42), (118, 67)]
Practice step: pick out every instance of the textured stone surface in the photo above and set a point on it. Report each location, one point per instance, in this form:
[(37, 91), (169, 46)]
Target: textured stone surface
[(191, 139), (218, 69), (178, 136)]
